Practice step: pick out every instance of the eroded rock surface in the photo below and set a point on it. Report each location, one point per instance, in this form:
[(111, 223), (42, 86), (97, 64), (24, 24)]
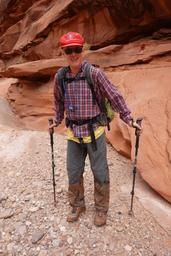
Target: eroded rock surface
[(29, 28)]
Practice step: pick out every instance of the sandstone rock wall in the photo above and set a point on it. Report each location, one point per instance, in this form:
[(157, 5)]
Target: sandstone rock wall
[(29, 28), (130, 40)]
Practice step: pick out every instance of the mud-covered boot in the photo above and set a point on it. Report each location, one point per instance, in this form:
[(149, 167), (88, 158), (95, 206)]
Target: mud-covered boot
[(100, 218), (75, 213), (76, 200), (101, 198)]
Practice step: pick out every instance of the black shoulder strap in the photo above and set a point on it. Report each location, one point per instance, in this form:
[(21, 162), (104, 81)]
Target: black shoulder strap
[(62, 79), (88, 74), (61, 76)]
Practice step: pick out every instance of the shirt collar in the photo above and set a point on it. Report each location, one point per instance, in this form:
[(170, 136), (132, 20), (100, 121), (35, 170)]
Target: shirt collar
[(81, 68)]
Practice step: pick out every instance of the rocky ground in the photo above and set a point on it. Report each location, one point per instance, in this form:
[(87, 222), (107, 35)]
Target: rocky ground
[(30, 224)]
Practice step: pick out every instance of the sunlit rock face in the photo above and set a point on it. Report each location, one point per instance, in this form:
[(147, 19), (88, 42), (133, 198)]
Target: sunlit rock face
[(131, 42)]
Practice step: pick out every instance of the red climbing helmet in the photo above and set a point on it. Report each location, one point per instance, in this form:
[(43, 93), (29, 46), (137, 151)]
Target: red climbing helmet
[(71, 38)]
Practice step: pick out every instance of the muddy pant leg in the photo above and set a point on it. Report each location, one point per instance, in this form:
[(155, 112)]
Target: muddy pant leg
[(76, 155), (99, 166)]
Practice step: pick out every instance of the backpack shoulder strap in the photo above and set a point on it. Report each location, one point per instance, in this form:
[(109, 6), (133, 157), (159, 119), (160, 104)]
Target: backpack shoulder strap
[(88, 74), (61, 73)]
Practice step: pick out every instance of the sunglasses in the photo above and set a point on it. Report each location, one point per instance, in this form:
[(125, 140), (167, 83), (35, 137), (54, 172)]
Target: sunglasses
[(70, 50)]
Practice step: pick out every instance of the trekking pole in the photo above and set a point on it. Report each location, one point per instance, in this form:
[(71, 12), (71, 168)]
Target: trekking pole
[(137, 134), (51, 132)]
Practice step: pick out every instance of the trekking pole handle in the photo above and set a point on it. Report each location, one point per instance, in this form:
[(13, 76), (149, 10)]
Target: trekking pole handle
[(51, 130), (138, 121), (50, 121)]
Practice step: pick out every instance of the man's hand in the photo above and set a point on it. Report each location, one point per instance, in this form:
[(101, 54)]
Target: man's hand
[(135, 124), (51, 126)]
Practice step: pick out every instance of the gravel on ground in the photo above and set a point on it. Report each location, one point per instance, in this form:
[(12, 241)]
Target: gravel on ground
[(30, 224)]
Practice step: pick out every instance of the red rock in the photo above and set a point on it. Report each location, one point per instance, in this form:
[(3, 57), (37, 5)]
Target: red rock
[(35, 69), (147, 91), (40, 28), (5, 83)]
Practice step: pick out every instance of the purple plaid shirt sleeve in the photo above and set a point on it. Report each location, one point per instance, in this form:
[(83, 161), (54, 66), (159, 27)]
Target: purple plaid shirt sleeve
[(58, 102), (111, 92)]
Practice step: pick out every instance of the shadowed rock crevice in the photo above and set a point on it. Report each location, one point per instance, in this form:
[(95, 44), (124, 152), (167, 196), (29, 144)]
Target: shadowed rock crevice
[(39, 78)]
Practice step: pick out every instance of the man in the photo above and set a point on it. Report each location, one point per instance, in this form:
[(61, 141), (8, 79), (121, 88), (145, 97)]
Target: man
[(86, 136)]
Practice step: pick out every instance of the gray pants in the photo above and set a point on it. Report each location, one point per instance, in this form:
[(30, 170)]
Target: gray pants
[(76, 155)]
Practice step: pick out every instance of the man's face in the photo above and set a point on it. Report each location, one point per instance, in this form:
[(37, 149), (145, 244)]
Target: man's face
[(73, 55)]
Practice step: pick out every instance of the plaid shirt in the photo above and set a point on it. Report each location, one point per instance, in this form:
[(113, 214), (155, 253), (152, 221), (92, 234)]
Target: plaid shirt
[(77, 101)]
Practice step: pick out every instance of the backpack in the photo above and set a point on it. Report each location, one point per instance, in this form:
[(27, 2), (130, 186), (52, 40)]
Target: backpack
[(107, 113)]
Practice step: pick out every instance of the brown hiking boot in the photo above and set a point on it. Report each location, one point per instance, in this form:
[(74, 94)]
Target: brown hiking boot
[(75, 213), (100, 218)]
